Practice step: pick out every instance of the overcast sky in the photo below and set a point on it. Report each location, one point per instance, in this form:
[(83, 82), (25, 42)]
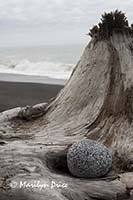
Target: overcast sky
[(40, 22)]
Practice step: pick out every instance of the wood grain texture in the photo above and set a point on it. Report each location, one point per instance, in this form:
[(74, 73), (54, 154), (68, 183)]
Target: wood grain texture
[(96, 103)]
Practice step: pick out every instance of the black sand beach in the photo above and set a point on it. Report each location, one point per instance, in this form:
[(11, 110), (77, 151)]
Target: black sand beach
[(14, 94)]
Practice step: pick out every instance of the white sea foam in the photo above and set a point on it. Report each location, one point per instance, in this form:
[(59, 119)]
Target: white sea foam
[(42, 68)]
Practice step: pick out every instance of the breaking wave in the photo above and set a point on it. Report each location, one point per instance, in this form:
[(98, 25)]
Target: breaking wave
[(43, 68)]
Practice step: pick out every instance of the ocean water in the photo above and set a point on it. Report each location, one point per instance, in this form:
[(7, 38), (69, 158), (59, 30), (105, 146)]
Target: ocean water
[(54, 61)]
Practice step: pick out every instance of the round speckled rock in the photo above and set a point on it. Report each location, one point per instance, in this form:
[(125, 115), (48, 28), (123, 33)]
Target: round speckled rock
[(89, 159)]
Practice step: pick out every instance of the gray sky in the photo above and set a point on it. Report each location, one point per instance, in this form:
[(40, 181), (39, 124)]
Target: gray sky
[(35, 22)]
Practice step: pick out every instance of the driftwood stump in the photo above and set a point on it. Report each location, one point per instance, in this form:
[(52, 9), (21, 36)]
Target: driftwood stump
[(96, 103)]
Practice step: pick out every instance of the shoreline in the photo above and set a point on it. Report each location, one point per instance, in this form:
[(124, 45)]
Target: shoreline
[(15, 93), (7, 77)]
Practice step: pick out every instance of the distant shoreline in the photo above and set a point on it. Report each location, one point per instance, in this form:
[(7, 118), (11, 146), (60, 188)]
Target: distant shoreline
[(30, 79), (21, 90)]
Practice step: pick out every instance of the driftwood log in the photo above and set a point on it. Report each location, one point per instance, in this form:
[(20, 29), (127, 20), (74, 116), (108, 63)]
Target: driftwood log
[(96, 103)]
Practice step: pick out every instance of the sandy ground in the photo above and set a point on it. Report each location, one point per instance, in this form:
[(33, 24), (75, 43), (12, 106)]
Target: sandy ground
[(20, 90)]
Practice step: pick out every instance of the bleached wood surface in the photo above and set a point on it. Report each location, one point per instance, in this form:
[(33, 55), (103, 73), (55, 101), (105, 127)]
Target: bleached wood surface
[(96, 103)]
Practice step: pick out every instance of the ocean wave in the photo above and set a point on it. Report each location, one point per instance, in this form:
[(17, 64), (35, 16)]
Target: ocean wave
[(43, 68)]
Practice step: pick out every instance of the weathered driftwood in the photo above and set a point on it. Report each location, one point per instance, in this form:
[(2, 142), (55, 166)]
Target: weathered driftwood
[(96, 103)]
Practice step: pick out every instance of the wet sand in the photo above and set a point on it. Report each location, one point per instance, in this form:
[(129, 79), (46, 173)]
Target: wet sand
[(14, 94)]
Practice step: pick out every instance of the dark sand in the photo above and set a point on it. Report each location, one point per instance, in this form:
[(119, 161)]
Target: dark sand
[(15, 94)]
